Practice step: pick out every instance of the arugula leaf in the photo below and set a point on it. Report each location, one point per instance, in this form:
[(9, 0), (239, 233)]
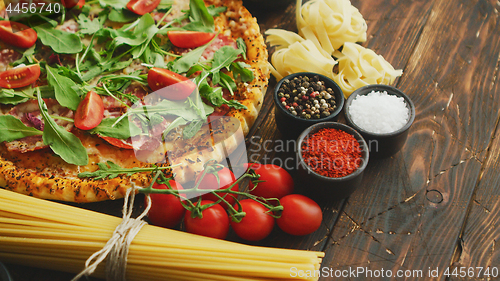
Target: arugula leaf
[(165, 4), (122, 130), (27, 56), (191, 129), (62, 142), (117, 4), (10, 96), (240, 71), (111, 170), (17, 96), (123, 15), (224, 57), (234, 104), (63, 87), (107, 170), (168, 107), (240, 43), (199, 13), (179, 121), (184, 63), (227, 82), (61, 42), (145, 29), (215, 11), (13, 129), (88, 26)]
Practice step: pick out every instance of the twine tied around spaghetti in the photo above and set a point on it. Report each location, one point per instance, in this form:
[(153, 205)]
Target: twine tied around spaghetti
[(117, 248)]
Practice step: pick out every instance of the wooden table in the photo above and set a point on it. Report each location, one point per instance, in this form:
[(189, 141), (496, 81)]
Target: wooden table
[(436, 203)]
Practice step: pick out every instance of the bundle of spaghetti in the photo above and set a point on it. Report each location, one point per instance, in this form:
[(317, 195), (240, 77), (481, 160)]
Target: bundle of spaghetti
[(41, 233)]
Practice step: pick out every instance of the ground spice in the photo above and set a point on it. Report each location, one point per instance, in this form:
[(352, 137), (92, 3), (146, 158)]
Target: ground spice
[(331, 152)]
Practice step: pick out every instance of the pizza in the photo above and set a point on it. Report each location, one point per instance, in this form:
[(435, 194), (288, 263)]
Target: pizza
[(124, 86)]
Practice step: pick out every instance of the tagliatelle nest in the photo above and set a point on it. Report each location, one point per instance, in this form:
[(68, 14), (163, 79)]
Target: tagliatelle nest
[(326, 26)]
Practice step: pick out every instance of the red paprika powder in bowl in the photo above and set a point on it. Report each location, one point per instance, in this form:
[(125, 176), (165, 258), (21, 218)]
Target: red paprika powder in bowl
[(331, 160)]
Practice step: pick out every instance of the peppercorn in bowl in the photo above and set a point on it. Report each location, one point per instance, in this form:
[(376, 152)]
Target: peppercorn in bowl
[(304, 99), (383, 115), (331, 160)]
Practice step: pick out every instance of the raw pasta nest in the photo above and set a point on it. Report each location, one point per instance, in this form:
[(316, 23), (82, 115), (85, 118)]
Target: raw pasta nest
[(326, 26), (332, 22)]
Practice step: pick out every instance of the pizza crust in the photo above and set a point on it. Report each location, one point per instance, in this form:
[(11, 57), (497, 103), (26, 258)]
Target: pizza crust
[(44, 175)]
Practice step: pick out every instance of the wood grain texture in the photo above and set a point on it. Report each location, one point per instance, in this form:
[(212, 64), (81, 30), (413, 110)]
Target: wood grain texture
[(411, 216)]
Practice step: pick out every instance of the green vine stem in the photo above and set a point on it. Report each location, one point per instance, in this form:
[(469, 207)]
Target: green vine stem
[(274, 210)]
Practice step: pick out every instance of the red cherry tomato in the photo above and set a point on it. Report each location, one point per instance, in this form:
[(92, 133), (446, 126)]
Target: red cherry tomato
[(68, 4), (17, 34), (142, 7), (90, 112), (117, 142), (80, 3), (300, 215), (166, 209), (209, 182), (214, 223), (19, 77), (256, 225), (169, 84), (189, 39), (277, 182)]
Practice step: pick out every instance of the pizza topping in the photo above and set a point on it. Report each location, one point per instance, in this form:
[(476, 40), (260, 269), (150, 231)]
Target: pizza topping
[(90, 112), (17, 34), (63, 143), (19, 77), (34, 120), (219, 42), (189, 39), (7, 56), (79, 55), (170, 85), (142, 7), (27, 120)]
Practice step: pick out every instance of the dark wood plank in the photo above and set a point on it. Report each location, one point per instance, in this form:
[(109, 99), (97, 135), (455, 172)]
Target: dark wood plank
[(410, 213)]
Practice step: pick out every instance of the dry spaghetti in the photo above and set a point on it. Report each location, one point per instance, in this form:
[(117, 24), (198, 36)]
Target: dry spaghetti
[(51, 235)]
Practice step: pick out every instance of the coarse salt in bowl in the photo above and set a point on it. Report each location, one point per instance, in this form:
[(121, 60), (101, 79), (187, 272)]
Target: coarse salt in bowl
[(383, 115)]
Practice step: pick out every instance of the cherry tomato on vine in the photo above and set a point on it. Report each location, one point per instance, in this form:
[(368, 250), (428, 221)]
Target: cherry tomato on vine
[(189, 39), (17, 34), (170, 85), (90, 112), (166, 209), (214, 223), (276, 181), (256, 224), (142, 7), (19, 77), (209, 182), (300, 215)]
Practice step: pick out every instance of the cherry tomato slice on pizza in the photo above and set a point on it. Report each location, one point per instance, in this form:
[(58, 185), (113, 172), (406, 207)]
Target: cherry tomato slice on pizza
[(189, 39), (142, 7), (117, 142), (90, 111), (17, 34), (170, 85), (19, 77), (68, 4)]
